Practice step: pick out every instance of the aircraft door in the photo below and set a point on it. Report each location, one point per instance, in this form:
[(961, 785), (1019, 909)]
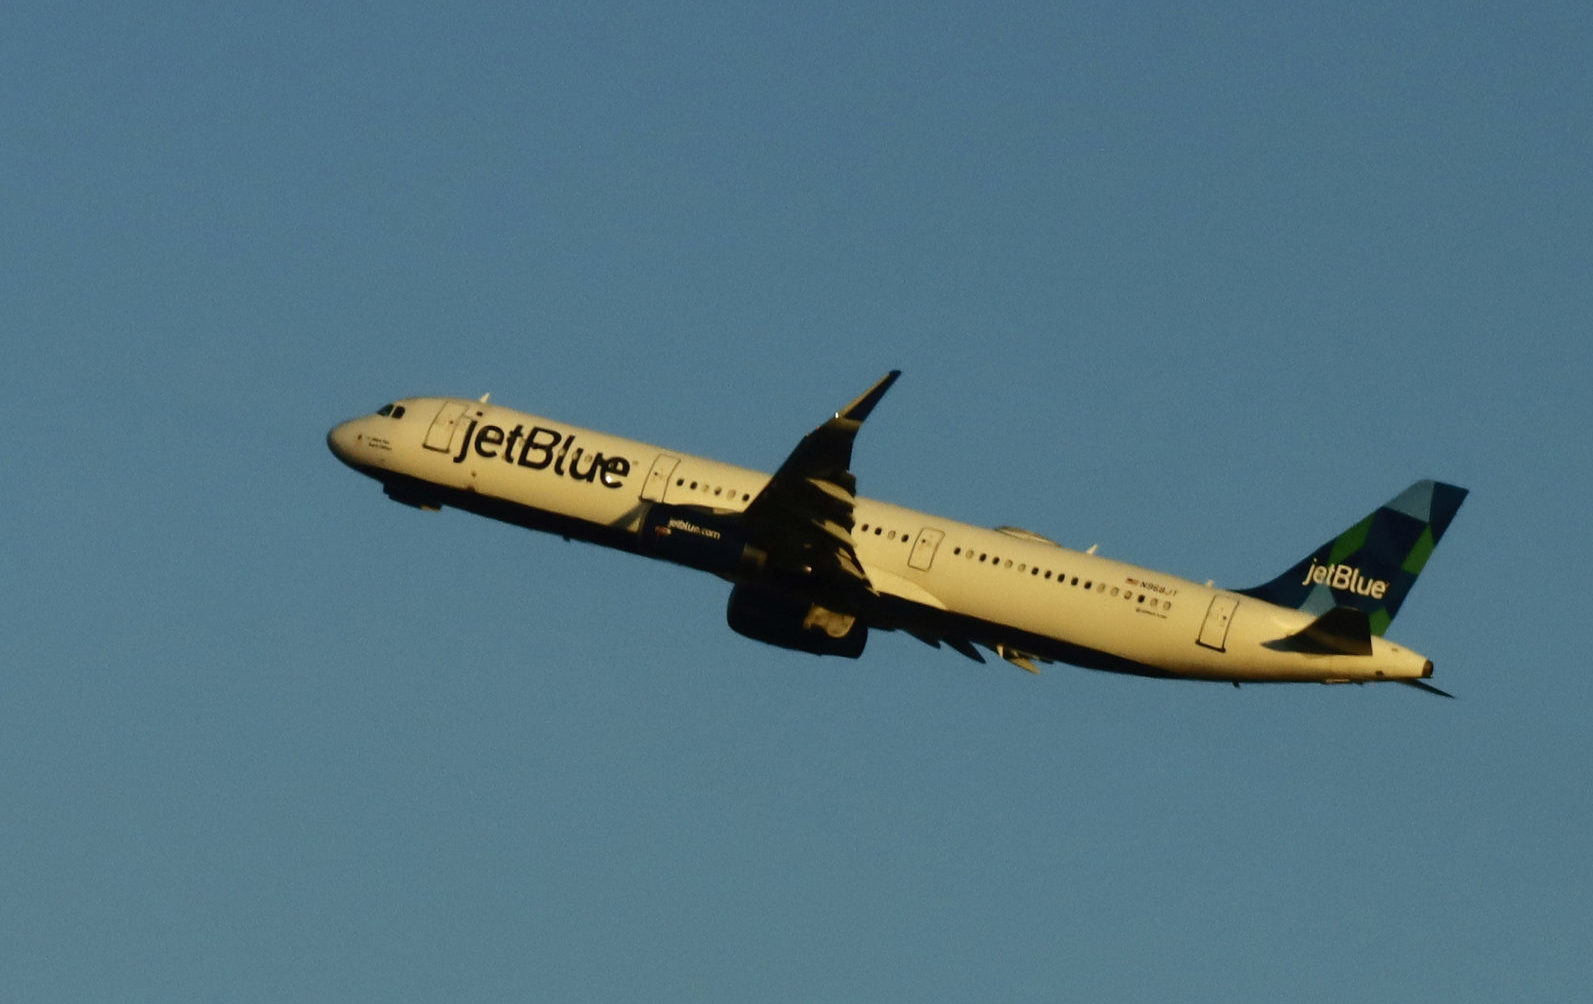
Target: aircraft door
[(441, 433), (1214, 632), (658, 477), (924, 548)]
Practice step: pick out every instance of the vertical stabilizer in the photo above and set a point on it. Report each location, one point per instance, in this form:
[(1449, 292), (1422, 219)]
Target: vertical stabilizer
[(1371, 566)]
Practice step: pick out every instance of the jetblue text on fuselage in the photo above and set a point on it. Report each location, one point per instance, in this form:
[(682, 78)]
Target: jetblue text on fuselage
[(540, 448)]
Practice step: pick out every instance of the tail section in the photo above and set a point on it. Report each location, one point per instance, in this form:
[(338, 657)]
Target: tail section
[(1371, 566)]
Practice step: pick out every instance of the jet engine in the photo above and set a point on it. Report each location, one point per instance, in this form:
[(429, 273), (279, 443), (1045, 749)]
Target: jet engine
[(699, 538), (776, 617)]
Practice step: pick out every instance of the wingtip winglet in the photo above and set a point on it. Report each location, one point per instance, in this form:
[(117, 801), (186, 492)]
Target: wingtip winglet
[(858, 410)]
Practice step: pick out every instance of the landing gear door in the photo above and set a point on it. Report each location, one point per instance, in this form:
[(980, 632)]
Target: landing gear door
[(1214, 632), (658, 477), (924, 548), (441, 434)]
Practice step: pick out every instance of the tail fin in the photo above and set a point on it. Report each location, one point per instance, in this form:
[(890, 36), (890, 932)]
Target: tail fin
[(1371, 566)]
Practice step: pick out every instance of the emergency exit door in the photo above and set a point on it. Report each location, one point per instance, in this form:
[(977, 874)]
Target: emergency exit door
[(924, 548)]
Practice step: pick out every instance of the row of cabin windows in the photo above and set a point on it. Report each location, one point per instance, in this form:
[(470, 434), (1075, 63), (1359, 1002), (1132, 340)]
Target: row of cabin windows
[(1062, 578), (880, 531), (716, 491)]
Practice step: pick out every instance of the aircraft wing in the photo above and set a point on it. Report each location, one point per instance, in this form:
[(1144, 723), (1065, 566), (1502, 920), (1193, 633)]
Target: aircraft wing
[(803, 516)]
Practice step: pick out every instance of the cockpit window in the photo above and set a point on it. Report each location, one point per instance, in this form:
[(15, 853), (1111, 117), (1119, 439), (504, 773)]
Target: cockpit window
[(398, 411), (385, 409)]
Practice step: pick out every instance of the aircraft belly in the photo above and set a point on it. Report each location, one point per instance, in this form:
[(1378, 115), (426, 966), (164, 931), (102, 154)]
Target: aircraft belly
[(1043, 617), (1250, 657), (1096, 630), (561, 496)]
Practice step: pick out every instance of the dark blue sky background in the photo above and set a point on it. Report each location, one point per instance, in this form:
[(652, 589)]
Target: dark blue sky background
[(1202, 287)]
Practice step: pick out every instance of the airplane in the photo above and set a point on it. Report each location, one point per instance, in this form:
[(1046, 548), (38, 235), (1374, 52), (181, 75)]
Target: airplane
[(814, 567)]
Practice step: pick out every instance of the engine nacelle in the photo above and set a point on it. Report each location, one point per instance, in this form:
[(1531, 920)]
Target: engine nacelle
[(699, 538), (780, 618)]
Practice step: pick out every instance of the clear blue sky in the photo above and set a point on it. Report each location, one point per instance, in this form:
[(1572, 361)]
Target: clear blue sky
[(1200, 287)]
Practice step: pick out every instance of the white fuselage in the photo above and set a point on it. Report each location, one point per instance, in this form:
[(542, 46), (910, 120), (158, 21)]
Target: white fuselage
[(999, 587)]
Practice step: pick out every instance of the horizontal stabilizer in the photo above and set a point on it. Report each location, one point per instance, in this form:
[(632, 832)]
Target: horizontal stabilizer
[(1423, 685), (1340, 631)]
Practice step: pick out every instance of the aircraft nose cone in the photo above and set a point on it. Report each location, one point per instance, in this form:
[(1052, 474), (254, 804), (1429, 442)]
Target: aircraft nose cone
[(340, 440)]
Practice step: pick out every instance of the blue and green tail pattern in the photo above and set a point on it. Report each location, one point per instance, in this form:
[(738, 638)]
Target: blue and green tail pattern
[(1371, 566)]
